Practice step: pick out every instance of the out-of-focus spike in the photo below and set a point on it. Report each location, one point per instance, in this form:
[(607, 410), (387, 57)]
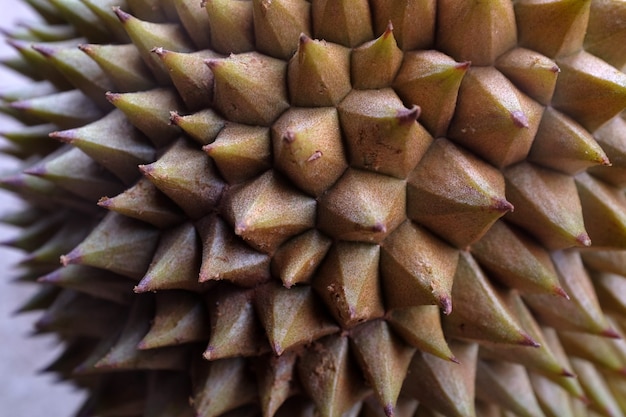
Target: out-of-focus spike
[(595, 349), (482, 31), (150, 10), (176, 262), (442, 385), (417, 268), (291, 317), (118, 244), (168, 395), (82, 18), (231, 25), (149, 111), (329, 376), (46, 10), (276, 380), (143, 201), (516, 260), (297, 259), (195, 21), (32, 139), (478, 307), (122, 64), (346, 22), (180, 318), (226, 257), (249, 88), (507, 385), (383, 358), (235, 328), (376, 63), (553, 399), (611, 291), (31, 90), (558, 225), (113, 142), (40, 67), (103, 9), (277, 25), (318, 74), (606, 34), (403, 14), (202, 126), (64, 239), (613, 261), (348, 282), (596, 389), (241, 152), (36, 233), (266, 212)]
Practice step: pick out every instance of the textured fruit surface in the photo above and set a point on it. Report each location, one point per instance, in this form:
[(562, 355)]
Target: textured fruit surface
[(331, 208)]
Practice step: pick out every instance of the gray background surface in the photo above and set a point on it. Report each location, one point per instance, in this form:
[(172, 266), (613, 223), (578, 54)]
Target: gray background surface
[(23, 392)]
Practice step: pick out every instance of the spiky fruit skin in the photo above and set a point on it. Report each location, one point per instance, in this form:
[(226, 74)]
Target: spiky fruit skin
[(333, 208)]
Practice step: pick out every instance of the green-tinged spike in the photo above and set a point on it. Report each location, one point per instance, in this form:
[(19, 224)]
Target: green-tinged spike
[(348, 282), (222, 385), (118, 244), (93, 281), (382, 135), (420, 327), (371, 341), (249, 88), (187, 176), (455, 194), (612, 138), (150, 10), (318, 74), (307, 147), (149, 111), (143, 201), (19, 115), (596, 349), (606, 33), (570, 147), (617, 385), (546, 205), (600, 91), (329, 376), (376, 63), (81, 18), (581, 312), (33, 140), (124, 354), (493, 118), (296, 260), (46, 10), (241, 152), (442, 385), (507, 385), (21, 66), (537, 29), (67, 109), (516, 260), (362, 206), (291, 317), (482, 31), (478, 306), (235, 328), (64, 239), (81, 71), (606, 205), (73, 315), (417, 268), (276, 381), (277, 25), (403, 14), (38, 63), (195, 21), (104, 10), (345, 22), (231, 25), (76, 172), (180, 318), (613, 261), (227, 257), (114, 143), (168, 395), (596, 389), (266, 211), (202, 126), (540, 359), (611, 291), (531, 72), (433, 77), (553, 400), (26, 91), (147, 35), (176, 262), (191, 77), (122, 64)]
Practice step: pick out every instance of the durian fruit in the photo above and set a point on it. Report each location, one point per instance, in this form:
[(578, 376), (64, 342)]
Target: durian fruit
[(326, 208)]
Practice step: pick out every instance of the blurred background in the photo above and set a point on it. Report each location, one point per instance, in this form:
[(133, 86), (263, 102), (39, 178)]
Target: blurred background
[(24, 392)]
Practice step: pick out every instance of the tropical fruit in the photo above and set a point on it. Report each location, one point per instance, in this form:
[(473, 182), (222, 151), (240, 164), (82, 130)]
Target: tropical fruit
[(327, 208)]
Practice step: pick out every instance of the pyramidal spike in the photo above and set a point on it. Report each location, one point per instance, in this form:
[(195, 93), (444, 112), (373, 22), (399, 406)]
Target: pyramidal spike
[(611, 291), (39, 66), (231, 25), (297, 259), (278, 24), (195, 21), (596, 388), (202, 126), (611, 137), (402, 15), (103, 9), (345, 22), (275, 377), (82, 18), (376, 63), (606, 37)]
